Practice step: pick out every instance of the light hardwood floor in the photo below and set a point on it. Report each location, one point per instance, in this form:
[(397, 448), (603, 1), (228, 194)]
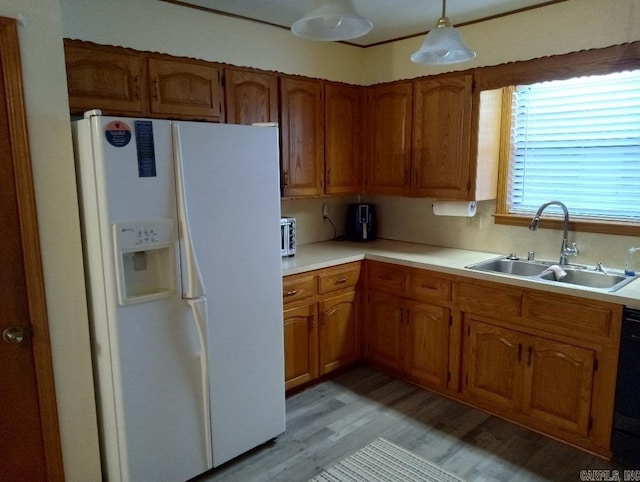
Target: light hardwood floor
[(327, 422)]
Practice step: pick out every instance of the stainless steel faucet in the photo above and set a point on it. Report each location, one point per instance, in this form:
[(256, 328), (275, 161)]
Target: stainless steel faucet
[(565, 249)]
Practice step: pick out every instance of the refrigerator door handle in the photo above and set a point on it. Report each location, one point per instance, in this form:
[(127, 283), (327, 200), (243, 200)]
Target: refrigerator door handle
[(192, 284), (199, 309)]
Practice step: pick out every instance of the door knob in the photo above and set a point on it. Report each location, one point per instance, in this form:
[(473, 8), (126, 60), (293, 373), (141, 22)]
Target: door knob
[(13, 335)]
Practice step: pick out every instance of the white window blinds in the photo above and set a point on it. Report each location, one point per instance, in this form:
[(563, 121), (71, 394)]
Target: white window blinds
[(578, 141)]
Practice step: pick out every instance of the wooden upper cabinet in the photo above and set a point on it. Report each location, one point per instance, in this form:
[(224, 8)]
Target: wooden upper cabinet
[(442, 137), (250, 96), (302, 137), (107, 78), (122, 81), (343, 138), (185, 88), (388, 155), (433, 137)]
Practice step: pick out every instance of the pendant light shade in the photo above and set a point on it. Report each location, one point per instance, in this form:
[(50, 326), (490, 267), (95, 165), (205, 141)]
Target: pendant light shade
[(443, 45), (331, 20)]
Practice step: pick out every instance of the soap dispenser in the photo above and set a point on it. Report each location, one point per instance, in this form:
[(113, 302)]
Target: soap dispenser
[(633, 261)]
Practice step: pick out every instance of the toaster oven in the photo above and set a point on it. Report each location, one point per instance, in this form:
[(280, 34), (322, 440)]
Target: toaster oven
[(287, 236)]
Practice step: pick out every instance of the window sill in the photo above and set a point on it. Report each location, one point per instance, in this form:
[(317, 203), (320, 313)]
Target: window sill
[(555, 222)]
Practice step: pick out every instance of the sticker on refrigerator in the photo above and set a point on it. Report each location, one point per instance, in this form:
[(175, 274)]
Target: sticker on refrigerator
[(145, 148), (118, 133)]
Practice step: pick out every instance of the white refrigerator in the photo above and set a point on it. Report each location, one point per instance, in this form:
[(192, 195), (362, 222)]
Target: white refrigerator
[(181, 237)]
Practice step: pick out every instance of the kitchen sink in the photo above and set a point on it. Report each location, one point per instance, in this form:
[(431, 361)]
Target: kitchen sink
[(515, 267), (592, 279), (538, 271)]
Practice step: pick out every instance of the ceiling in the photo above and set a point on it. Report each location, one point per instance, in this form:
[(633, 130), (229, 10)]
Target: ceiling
[(392, 19)]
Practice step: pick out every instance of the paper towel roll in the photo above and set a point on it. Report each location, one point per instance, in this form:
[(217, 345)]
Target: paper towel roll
[(455, 208)]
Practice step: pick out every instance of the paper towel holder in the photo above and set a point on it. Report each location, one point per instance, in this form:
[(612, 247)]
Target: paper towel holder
[(455, 208)]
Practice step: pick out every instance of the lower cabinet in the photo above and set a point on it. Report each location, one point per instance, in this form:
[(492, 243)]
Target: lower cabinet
[(546, 380), (426, 357), (546, 361), (407, 336), (300, 345), (558, 384), (339, 331), (385, 317), (321, 322), (490, 361)]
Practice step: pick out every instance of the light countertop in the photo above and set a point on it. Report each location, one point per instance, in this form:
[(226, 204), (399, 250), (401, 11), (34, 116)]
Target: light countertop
[(435, 258)]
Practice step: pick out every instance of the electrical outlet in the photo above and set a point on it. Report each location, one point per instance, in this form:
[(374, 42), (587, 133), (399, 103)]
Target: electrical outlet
[(325, 210)]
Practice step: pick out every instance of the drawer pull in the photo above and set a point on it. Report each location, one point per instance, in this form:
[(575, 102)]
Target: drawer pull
[(341, 280), (291, 293)]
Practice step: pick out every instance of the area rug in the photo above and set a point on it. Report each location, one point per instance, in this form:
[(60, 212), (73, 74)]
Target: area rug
[(382, 461)]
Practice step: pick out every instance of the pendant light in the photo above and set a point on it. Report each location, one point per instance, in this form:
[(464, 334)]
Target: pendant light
[(443, 44), (331, 20)]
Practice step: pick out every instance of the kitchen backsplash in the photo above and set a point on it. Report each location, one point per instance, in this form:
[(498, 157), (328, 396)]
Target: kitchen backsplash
[(412, 220), (311, 227)]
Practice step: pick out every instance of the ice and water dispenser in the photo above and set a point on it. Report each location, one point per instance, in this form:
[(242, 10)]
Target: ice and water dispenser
[(145, 252)]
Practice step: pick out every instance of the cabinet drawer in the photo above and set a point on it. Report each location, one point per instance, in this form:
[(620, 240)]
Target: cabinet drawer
[(564, 316), (425, 287), (298, 288), (337, 279), (384, 277), (488, 300)]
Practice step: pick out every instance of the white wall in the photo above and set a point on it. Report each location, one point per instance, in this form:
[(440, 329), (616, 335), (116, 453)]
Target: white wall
[(159, 26), (556, 29), (163, 27), (54, 180)]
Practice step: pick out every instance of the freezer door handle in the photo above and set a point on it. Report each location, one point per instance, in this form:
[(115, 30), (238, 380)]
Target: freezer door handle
[(192, 284), (199, 310)]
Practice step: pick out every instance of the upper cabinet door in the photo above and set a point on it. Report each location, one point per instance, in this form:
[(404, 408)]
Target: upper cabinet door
[(107, 78), (185, 89), (343, 138), (302, 137), (442, 137), (388, 153), (250, 97)]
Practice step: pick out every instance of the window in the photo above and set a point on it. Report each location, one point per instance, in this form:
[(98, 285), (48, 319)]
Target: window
[(576, 141)]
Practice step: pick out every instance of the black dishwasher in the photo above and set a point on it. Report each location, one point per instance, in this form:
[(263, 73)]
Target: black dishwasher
[(625, 440)]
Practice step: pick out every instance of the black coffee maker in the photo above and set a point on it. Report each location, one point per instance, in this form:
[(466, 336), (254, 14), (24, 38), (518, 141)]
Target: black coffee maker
[(361, 222)]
